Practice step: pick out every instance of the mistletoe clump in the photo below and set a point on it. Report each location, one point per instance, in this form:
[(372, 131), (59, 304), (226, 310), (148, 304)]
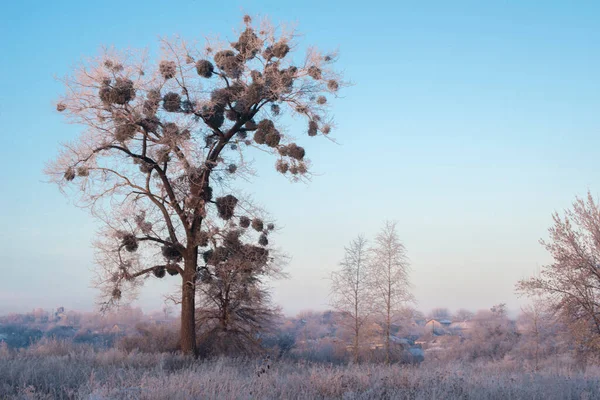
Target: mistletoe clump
[(171, 253), (150, 124), (257, 224), (202, 238), (266, 133), (159, 272), (244, 221), (142, 224), (205, 68), (150, 105), (145, 167), (172, 131), (121, 92), (282, 166), (312, 128), (83, 171), (172, 269), (294, 151), (248, 44), (116, 294), (214, 115), (333, 85), (226, 206), (130, 242), (207, 255), (255, 254), (172, 102), (124, 130), (231, 115), (69, 174), (162, 155), (168, 69), (280, 49), (314, 72), (228, 62), (263, 240)]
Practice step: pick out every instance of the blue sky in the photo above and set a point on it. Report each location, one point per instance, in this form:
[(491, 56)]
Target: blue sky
[(469, 123)]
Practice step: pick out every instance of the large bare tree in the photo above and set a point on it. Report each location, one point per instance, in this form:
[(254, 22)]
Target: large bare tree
[(351, 292), (571, 283), (163, 143), (390, 277)]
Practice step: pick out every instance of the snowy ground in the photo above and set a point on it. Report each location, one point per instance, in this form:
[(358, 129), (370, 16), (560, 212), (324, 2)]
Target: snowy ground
[(62, 372)]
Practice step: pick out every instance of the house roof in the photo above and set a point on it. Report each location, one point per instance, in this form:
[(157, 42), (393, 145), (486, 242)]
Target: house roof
[(415, 351), (396, 339), (438, 321), (460, 325)]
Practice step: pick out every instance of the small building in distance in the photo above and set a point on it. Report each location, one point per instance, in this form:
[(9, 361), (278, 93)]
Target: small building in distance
[(460, 328), (438, 327), (117, 329)]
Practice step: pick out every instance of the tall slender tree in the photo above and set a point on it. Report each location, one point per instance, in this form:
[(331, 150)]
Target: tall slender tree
[(164, 141), (390, 277), (351, 291), (534, 322)]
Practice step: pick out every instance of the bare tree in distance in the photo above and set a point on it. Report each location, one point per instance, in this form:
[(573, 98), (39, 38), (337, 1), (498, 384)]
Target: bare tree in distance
[(534, 321), (571, 283), (165, 141), (491, 335), (440, 313), (390, 276), (499, 310), (351, 290), (463, 315)]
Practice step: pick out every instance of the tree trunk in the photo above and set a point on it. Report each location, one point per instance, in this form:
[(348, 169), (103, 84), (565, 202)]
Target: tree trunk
[(356, 345), (356, 324), (537, 343), (188, 304), (387, 344), (387, 333)]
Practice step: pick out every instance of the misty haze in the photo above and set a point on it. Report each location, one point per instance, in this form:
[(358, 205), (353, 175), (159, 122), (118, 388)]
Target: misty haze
[(320, 200)]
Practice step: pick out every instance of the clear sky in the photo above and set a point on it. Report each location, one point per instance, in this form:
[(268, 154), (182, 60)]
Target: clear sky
[(469, 123)]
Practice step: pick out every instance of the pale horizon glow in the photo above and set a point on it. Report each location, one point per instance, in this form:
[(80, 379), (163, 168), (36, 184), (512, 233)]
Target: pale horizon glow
[(467, 123)]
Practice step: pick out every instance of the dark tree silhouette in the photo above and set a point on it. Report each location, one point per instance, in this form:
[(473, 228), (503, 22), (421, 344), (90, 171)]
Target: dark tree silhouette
[(234, 307), (164, 142)]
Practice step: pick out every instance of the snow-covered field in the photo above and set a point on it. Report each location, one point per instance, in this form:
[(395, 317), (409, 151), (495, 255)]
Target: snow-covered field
[(58, 371)]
